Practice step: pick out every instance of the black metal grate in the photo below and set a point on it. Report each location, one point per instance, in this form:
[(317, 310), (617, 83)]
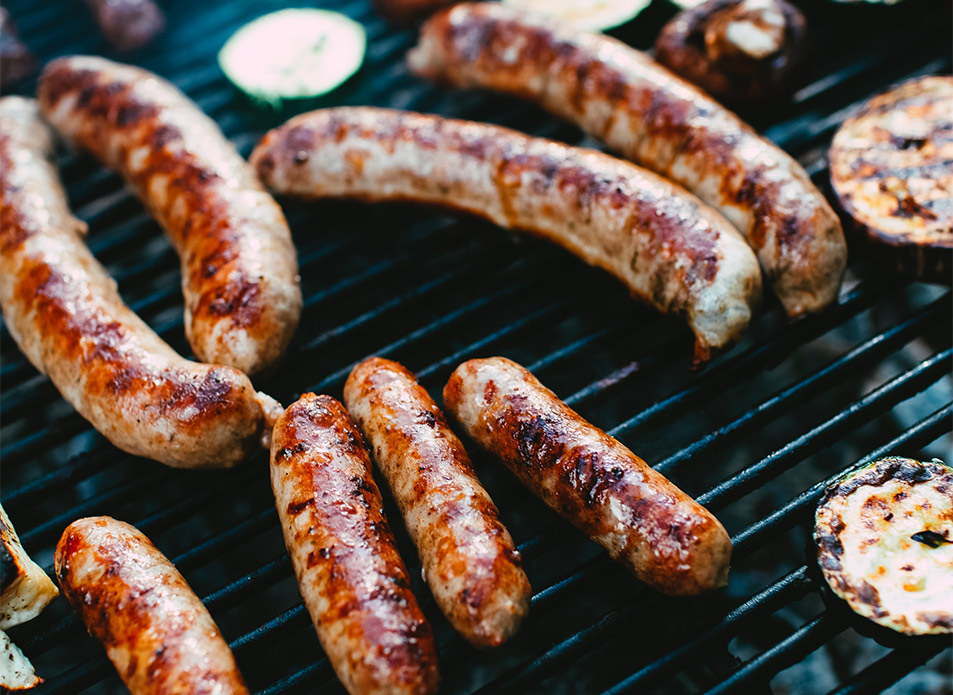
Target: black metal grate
[(756, 437)]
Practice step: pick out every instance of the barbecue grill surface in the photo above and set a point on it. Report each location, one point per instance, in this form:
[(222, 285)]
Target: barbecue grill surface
[(754, 436)]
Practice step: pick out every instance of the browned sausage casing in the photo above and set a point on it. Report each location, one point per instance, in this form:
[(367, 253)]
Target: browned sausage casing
[(239, 269), (65, 313), (667, 539), (350, 574), (157, 633), (670, 249), (468, 556), (404, 11), (655, 119)]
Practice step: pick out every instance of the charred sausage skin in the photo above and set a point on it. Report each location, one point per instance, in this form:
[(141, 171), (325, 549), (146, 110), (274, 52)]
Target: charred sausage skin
[(468, 557), (65, 313), (157, 633), (667, 539), (669, 249), (351, 577), (656, 119), (239, 268)]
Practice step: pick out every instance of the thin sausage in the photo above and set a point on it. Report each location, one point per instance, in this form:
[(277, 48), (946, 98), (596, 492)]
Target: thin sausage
[(65, 313), (656, 119), (468, 557), (157, 633), (239, 268), (669, 249), (667, 539), (351, 577)]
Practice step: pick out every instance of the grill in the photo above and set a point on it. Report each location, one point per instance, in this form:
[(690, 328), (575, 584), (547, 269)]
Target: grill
[(756, 437)]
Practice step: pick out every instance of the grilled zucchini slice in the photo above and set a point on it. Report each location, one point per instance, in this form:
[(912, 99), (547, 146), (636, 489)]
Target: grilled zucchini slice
[(884, 541), (892, 169), (25, 590), (16, 671)]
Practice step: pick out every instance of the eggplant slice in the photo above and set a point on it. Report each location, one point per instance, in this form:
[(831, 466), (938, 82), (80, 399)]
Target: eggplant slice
[(884, 538), (892, 169)]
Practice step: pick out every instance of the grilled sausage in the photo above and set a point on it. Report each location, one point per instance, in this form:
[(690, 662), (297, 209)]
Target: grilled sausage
[(65, 313), (669, 249), (157, 633), (351, 577), (667, 539), (239, 271), (127, 24), (468, 557), (657, 120)]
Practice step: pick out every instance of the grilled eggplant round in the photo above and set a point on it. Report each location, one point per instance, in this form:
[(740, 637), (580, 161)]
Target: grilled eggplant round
[(884, 540), (892, 169)]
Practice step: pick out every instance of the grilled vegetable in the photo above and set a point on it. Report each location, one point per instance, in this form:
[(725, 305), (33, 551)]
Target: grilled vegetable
[(884, 539), (590, 15), (293, 54), (16, 671), (892, 168), (737, 50), (25, 590)]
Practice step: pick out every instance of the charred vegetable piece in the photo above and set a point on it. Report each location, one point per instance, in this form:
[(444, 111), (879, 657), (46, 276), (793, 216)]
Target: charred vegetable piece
[(16, 61), (884, 537), (589, 15), (740, 51), (16, 671), (892, 169), (25, 590)]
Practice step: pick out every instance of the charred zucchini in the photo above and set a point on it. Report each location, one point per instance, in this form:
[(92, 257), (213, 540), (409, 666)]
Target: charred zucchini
[(884, 540)]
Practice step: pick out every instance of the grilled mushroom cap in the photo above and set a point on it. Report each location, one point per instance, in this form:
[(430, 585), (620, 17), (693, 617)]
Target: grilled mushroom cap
[(884, 537), (892, 169), (740, 51)]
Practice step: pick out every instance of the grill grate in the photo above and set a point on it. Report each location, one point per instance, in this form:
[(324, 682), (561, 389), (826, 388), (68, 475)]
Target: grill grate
[(756, 437)]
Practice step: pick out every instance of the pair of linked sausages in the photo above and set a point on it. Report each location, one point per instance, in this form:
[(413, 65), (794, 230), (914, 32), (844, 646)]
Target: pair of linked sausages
[(353, 581)]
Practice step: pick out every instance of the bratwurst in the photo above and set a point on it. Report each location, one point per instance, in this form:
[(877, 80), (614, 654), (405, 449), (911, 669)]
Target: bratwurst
[(468, 557), (656, 119), (670, 249), (351, 577), (65, 313), (157, 633), (667, 539), (239, 268)]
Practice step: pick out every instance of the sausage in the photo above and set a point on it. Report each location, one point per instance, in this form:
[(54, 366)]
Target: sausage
[(668, 540), (654, 118), (668, 248), (239, 268), (127, 24), (157, 633), (65, 313), (468, 557), (351, 577), (406, 11)]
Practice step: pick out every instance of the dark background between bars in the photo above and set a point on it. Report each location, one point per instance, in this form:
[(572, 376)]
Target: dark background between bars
[(755, 436)]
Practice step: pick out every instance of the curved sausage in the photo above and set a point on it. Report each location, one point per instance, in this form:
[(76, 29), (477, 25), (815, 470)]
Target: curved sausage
[(157, 633), (668, 540), (668, 248), (65, 313), (239, 268), (654, 118), (468, 557), (351, 577)]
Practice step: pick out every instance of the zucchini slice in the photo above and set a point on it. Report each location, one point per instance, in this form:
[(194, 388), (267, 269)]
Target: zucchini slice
[(587, 15), (293, 54), (25, 590), (884, 540)]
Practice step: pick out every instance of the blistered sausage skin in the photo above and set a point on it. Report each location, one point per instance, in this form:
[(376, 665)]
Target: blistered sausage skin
[(656, 119), (65, 313), (157, 633), (239, 268), (669, 249), (351, 577), (668, 540), (468, 557)]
